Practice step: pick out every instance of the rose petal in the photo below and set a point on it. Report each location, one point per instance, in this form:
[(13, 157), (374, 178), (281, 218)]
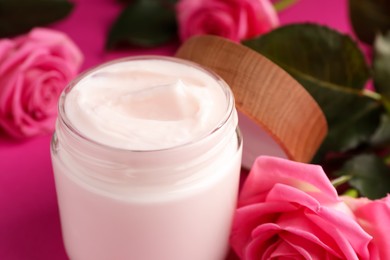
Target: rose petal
[(6, 48), (306, 249), (374, 218), (285, 250), (267, 171), (313, 222), (261, 246), (302, 225), (263, 17), (45, 91), (249, 217), (268, 242), (59, 44), (285, 193), (34, 68), (349, 236), (233, 19)]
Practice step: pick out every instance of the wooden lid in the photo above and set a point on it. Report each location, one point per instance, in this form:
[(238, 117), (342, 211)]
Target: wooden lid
[(264, 92)]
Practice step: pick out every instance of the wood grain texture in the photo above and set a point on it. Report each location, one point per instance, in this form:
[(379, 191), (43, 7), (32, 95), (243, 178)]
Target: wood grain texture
[(263, 92)]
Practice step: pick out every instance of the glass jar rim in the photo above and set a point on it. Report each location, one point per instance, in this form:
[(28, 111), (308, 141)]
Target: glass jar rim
[(62, 117)]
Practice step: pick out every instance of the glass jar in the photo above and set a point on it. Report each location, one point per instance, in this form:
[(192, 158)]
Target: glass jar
[(173, 203)]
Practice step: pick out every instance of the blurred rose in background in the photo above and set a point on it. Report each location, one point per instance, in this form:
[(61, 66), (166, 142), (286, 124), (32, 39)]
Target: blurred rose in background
[(34, 69), (233, 19)]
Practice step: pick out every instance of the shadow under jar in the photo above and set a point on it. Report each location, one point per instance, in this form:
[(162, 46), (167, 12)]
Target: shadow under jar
[(146, 158)]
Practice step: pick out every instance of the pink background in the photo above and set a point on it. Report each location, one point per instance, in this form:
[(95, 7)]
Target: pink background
[(29, 220)]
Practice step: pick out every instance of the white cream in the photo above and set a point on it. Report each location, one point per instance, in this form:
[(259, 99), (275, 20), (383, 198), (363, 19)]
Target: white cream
[(170, 191), (143, 105)]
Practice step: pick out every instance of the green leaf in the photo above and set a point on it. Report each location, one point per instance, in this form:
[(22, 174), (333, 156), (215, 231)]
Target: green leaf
[(19, 16), (369, 17), (316, 53), (381, 137), (146, 23), (351, 193), (369, 175), (333, 70), (381, 66), (282, 5)]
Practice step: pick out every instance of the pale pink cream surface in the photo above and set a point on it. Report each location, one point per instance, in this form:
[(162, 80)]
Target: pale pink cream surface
[(144, 105), (156, 202)]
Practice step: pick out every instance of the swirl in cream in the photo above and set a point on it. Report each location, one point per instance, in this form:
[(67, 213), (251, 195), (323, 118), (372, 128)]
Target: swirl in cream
[(144, 105)]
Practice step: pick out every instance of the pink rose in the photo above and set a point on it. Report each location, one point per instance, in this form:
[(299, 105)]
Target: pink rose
[(374, 218), (233, 19), (34, 68), (290, 210)]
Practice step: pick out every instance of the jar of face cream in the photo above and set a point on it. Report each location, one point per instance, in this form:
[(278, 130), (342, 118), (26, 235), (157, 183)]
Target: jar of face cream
[(146, 158)]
